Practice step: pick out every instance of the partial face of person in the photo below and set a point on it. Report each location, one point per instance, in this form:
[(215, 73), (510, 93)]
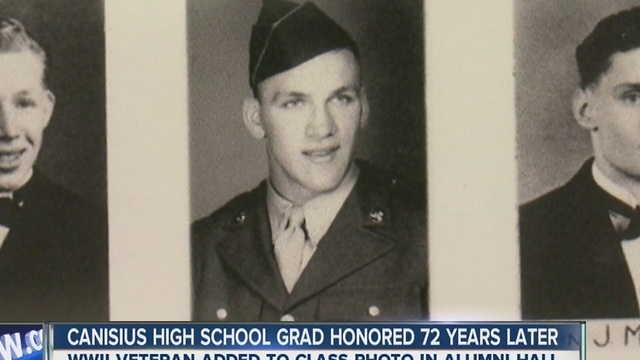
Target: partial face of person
[(25, 110), (311, 116)]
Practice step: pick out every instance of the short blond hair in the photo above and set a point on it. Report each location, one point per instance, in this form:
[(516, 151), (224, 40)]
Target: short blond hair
[(14, 37)]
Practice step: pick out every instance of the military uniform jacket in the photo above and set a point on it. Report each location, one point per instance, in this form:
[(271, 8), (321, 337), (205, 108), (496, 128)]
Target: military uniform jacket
[(572, 263), (53, 262), (370, 265)]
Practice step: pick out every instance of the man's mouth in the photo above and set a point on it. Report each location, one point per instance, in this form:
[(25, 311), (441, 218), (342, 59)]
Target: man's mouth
[(10, 159), (321, 155)]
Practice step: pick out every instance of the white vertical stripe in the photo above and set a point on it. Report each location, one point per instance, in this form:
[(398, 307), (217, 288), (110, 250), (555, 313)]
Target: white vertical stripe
[(471, 160), (147, 159)]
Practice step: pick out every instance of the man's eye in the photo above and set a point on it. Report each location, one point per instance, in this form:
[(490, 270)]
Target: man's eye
[(293, 103), (343, 99), (632, 97), (25, 103)]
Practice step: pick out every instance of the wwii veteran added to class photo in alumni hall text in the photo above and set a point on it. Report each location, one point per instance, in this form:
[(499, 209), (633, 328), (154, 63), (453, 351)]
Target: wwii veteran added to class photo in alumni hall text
[(580, 243), (325, 237)]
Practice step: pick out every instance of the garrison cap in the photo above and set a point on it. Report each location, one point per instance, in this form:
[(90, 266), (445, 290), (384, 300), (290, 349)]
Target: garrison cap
[(288, 34)]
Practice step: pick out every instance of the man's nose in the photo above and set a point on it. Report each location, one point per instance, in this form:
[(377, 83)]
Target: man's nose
[(322, 123), (7, 124)]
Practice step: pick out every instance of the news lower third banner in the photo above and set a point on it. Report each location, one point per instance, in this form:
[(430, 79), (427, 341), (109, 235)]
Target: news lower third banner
[(299, 341)]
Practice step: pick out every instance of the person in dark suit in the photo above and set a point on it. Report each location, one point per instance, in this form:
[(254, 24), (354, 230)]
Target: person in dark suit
[(580, 243), (324, 237), (53, 253)]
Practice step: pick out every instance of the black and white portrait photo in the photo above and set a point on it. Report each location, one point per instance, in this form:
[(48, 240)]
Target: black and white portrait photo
[(53, 214), (307, 160), (578, 111)]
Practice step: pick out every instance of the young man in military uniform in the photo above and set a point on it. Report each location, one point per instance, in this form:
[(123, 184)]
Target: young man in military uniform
[(580, 244), (325, 237)]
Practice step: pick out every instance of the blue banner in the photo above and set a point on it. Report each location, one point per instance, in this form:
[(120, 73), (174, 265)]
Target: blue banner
[(309, 336)]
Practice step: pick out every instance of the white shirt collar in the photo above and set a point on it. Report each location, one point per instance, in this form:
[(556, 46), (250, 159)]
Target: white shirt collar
[(319, 212), (612, 188)]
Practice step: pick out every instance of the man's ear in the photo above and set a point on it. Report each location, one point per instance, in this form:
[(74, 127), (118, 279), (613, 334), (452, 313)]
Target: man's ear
[(364, 101), (251, 117), (49, 104), (583, 109)]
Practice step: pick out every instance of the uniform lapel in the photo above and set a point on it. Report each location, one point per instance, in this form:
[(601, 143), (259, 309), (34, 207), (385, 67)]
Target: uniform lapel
[(247, 249), (352, 241)]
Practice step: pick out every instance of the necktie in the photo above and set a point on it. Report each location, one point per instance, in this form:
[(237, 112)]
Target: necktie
[(632, 231), (7, 211), (289, 246), (626, 219)]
